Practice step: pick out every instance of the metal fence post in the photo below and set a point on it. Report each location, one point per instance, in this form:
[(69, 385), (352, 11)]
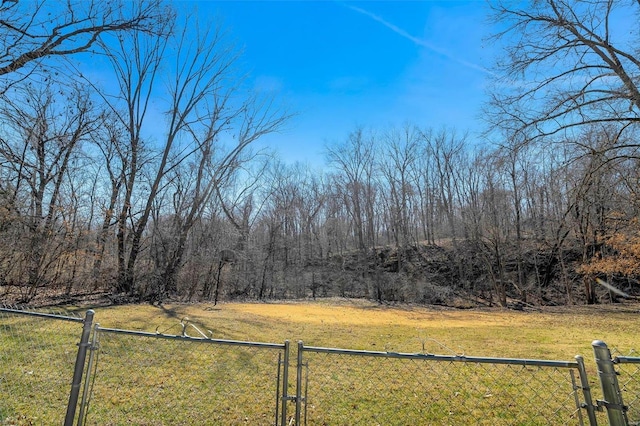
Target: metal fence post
[(285, 383), (79, 368), (299, 384), (87, 386), (616, 411), (586, 391)]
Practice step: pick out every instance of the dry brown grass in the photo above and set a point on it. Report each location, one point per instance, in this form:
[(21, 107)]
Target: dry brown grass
[(558, 333)]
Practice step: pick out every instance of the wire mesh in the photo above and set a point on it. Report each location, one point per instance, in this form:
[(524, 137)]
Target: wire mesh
[(149, 380), (343, 389), (628, 368), (37, 357)]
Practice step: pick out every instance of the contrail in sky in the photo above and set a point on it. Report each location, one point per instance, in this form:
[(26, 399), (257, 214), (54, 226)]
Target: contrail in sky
[(416, 40)]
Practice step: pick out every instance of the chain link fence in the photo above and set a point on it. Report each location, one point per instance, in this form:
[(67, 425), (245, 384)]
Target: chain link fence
[(157, 379), (380, 388), (37, 356), (134, 377), (628, 371)]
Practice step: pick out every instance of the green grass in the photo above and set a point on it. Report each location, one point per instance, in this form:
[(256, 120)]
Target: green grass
[(156, 381), (37, 359)]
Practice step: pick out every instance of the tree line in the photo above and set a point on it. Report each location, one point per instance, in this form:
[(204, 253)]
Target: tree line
[(147, 185)]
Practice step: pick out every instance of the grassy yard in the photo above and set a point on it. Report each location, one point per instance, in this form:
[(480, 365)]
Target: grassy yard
[(156, 381), (558, 333)]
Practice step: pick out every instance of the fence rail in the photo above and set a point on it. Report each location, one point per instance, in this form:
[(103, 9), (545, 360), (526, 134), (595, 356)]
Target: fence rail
[(48, 361)]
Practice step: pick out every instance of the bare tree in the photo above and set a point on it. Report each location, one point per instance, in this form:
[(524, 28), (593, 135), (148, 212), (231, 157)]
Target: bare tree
[(33, 31), (472, 184), (45, 132), (567, 63), (423, 178), (447, 151), (400, 152), (571, 71), (311, 207), (115, 156), (512, 161), (354, 161), (213, 163), (496, 233), (210, 125), (136, 59)]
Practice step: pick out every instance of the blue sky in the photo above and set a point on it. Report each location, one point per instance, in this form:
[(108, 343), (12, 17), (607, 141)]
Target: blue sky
[(341, 64)]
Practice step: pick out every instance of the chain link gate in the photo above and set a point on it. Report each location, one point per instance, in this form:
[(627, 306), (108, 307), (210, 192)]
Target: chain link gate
[(629, 381), (620, 387), (41, 354), (337, 386), (154, 378)]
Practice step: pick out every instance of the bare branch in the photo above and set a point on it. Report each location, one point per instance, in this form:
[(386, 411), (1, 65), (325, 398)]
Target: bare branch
[(569, 69), (31, 32)]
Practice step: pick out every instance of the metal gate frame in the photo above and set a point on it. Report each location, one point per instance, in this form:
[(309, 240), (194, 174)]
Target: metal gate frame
[(282, 376), (577, 364)]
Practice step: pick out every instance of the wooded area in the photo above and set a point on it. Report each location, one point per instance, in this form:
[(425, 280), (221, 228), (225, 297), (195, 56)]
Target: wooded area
[(98, 192)]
